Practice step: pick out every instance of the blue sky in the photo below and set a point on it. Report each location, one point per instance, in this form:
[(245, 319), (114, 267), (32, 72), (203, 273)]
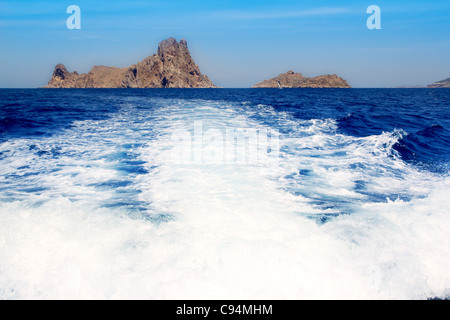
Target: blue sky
[(236, 43)]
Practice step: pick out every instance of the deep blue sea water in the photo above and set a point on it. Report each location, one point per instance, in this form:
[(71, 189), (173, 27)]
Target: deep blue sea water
[(225, 193)]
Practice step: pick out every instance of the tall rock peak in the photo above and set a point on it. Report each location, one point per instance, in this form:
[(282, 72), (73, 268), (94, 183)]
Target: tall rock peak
[(171, 67), (183, 43), (168, 44)]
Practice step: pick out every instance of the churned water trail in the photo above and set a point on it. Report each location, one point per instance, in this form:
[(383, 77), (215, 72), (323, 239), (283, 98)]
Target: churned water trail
[(221, 195)]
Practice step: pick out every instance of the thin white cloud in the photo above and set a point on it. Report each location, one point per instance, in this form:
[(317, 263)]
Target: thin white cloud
[(252, 15)]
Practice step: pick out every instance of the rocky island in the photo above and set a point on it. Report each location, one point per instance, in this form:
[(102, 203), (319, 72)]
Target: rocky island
[(291, 79), (440, 84), (171, 67)]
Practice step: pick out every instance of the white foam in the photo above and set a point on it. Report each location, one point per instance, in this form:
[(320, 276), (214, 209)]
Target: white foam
[(238, 231)]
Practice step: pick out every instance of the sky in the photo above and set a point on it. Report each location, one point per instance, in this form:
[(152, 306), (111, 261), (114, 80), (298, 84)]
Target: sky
[(237, 43)]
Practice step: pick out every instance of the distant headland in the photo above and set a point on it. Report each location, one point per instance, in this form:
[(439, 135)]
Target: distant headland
[(440, 84)]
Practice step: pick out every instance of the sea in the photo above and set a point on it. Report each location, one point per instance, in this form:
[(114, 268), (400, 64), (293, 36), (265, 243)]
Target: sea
[(224, 194)]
